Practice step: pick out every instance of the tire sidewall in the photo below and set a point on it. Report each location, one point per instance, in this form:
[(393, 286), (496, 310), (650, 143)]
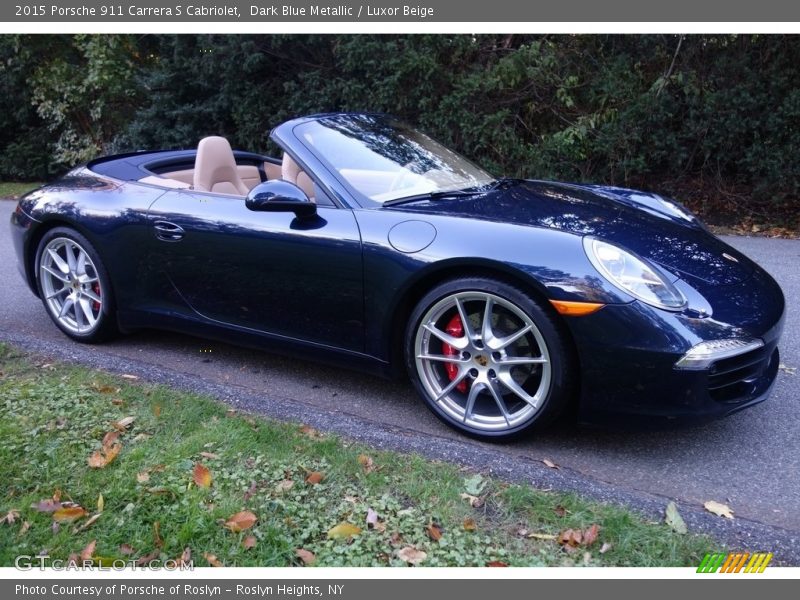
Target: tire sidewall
[(107, 326), (560, 389)]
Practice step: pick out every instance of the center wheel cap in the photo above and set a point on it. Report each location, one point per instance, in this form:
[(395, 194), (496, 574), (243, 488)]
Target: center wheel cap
[(481, 360)]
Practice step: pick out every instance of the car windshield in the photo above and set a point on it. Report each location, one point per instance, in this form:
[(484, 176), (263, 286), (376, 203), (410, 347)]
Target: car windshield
[(383, 159)]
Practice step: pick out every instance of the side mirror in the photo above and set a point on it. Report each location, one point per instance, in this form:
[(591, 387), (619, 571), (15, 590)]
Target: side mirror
[(280, 196)]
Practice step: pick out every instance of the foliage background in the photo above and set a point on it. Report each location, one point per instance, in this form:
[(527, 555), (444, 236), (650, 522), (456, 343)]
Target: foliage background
[(710, 119)]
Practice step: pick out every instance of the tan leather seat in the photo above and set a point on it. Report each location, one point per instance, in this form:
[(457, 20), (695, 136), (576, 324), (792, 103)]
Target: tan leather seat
[(291, 172), (215, 168)]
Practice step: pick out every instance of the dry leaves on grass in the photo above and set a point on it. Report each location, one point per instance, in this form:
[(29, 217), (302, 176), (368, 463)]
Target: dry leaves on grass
[(123, 424), (86, 524), (10, 517), (411, 555), (212, 559), (307, 557), (314, 477), (310, 432), (366, 463), (201, 476), (100, 459), (673, 518), (496, 563), (343, 531), (469, 524), (68, 514), (474, 501), (249, 542), (719, 509), (434, 531), (571, 539), (88, 551), (241, 521), (284, 486)]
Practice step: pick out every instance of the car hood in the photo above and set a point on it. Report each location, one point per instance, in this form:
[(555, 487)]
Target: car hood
[(647, 224)]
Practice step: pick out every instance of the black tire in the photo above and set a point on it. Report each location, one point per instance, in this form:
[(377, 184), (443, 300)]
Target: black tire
[(513, 310), (104, 327)]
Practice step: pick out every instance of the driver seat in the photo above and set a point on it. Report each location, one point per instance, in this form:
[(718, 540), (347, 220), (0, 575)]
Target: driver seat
[(215, 168), (291, 172)]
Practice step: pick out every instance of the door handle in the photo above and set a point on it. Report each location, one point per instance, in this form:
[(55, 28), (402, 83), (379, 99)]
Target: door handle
[(168, 232)]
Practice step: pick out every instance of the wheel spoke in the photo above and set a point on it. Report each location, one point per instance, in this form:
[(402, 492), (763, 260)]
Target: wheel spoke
[(57, 274), (508, 381), (84, 279), (86, 309), (462, 312), (499, 343), (92, 296), (80, 267), (486, 327), (435, 357), (69, 303), (69, 250), (59, 262), (458, 343), (510, 361), (451, 386), (498, 398), (474, 392), (57, 292)]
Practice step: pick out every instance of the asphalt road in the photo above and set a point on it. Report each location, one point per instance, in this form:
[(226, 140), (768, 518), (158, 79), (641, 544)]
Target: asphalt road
[(749, 461)]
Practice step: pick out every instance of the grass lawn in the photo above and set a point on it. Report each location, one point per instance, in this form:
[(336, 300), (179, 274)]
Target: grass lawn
[(301, 496), (13, 190)]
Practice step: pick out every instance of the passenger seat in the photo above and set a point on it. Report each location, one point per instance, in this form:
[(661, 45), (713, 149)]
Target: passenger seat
[(215, 168), (291, 172)]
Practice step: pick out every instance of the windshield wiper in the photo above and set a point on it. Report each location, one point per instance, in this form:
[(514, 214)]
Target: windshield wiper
[(440, 195)]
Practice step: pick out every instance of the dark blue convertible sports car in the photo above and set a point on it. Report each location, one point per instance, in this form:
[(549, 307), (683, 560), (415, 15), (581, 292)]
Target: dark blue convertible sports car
[(369, 245)]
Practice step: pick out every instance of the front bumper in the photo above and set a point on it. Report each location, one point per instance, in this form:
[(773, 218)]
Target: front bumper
[(628, 355)]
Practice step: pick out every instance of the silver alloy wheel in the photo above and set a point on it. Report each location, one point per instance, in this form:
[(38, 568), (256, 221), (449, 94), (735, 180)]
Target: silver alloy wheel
[(501, 368), (71, 286)]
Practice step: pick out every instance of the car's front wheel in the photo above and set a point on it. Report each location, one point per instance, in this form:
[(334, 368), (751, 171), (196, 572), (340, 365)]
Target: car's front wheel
[(74, 286), (487, 359)]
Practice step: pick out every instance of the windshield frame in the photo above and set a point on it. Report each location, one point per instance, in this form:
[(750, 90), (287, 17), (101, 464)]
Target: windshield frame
[(359, 197)]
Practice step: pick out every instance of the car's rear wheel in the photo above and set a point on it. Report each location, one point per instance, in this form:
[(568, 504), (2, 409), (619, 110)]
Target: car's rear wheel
[(487, 359), (74, 286)]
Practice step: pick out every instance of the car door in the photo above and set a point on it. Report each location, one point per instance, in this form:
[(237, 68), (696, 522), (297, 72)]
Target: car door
[(264, 271)]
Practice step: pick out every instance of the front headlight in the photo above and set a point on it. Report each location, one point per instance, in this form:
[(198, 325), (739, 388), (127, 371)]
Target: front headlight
[(633, 275)]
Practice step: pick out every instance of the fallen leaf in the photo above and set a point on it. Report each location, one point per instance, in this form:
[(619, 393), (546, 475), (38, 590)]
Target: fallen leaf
[(787, 369), (143, 477), (110, 438), (201, 476), (434, 532), (117, 401), (24, 528), (719, 509), (541, 536), (209, 455), (343, 530), (605, 547), (157, 540), (127, 376), (88, 551), (307, 557), (212, 559), (103, 457), (284, 486), (68, 514), (560, 511), (314, 477), (550, 464), (590, 535), (474, 501), (411, 555), (372, 518), (156, 410), (10, 517), (145, 560), (496, 563), (469, 524), (309, 431), (101, 503), (123, 423), (249, 542), (474, 485), (104, 389), (47, 505), (86, 524), (366, 463), (185, 557), (395, 539), (126, 549), (674, 520), (241, 521), (570, 538)]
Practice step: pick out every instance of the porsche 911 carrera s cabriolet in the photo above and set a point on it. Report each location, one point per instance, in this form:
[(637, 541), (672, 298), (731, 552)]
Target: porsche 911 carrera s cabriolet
[(369, 245)]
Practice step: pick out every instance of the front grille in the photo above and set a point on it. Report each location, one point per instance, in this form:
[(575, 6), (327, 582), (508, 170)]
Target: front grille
[(738, 379)]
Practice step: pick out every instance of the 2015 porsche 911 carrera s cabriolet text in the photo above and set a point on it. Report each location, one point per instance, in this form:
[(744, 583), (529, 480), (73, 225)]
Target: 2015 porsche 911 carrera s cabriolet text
[(370, 245)]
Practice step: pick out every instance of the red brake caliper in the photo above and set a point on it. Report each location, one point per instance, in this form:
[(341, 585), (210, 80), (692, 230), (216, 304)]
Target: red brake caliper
[(455, 328), (96, 290)]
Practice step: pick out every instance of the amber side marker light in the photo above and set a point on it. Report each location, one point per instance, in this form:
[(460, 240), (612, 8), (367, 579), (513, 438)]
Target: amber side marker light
[(576, 309)]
